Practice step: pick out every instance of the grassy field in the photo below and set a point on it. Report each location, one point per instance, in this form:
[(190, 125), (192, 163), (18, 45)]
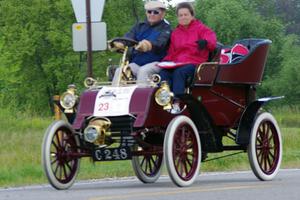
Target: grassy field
[(21, 138)]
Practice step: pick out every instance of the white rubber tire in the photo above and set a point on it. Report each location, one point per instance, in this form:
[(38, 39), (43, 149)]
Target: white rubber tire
[(46, 154), (168, 150), (260, 173), (140, 174)]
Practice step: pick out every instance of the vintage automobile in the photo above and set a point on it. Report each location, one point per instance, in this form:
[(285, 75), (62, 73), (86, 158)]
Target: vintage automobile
[(131, 122)]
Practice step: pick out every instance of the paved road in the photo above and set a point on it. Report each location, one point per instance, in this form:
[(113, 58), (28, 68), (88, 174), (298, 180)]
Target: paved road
[(209, 186)]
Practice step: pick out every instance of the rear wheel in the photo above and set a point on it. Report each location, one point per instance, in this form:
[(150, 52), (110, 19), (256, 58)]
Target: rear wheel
[(147, 167), (59, 159), (265, 147), (182, 151)]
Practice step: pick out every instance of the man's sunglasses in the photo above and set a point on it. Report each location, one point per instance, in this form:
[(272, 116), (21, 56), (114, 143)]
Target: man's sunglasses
[(154, 12)]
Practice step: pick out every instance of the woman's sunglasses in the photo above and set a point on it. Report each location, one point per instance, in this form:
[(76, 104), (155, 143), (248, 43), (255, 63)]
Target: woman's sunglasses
[(154, 12)]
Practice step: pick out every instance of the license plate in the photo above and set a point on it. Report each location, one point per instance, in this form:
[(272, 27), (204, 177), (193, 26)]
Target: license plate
[(121, 153)]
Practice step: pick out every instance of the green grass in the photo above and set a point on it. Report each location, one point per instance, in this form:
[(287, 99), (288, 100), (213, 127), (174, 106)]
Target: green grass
[(21, 138), (288, 116)]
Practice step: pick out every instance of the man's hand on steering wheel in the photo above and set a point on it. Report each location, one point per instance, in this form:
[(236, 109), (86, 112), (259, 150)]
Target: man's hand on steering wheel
[(144, 46), (118, 44), (115, 46)]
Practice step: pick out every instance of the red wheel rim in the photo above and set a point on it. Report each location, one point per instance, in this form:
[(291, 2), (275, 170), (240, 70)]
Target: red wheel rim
[(64, 165), (267, 147), (150, 164), (185, 151)]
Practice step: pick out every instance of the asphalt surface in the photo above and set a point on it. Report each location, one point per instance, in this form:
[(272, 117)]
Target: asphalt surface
[(208, 186)]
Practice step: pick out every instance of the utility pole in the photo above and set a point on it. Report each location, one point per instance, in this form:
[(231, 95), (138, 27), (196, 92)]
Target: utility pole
[(89, 39)]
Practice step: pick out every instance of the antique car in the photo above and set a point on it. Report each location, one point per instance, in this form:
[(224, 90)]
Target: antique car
[(132, 122)]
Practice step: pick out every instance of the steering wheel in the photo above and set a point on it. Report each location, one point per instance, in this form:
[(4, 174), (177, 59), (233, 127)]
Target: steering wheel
[(126, 41)]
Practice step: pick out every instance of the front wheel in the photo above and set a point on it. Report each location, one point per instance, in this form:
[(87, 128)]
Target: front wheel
[(182, 151), (147, 167), (265, 147), (59, 155)]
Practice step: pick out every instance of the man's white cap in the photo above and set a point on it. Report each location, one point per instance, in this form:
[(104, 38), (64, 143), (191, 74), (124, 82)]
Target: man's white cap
[(152, 5)]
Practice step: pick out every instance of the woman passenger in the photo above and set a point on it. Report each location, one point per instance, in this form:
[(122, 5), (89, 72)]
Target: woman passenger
[(191, 42)]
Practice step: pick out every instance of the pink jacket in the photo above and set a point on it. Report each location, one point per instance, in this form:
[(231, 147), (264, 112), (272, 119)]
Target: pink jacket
[(183, 47)]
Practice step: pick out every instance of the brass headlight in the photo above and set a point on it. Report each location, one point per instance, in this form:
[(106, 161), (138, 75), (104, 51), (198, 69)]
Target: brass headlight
[(163, 95), (91, 134), (68, 99), (97, 130)]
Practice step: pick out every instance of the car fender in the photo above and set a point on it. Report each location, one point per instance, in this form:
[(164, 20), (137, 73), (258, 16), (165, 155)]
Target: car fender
[(147, 112), (247, 119)]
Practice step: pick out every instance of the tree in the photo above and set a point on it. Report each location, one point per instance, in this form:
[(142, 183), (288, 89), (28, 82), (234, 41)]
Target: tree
[(36, 51), (37, 60), (36, 56), (286, 10), (234, 20), (286, 81)]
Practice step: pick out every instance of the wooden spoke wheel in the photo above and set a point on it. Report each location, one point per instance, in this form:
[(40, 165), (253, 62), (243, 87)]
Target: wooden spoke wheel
[(59, 155), (182, 151), (147, 167), (265, 147)]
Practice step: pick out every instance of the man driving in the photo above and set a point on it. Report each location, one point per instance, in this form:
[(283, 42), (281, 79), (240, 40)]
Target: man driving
[(152, 36)]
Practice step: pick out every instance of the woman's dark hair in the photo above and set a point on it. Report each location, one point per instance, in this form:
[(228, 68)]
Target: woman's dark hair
[(187, 6)]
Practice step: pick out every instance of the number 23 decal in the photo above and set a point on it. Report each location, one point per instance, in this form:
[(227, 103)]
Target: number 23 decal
[(103, 106)]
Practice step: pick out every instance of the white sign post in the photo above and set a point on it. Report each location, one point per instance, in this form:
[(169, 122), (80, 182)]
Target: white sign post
[(98, 33), (87, 13), (79, 8), (80, 36)]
